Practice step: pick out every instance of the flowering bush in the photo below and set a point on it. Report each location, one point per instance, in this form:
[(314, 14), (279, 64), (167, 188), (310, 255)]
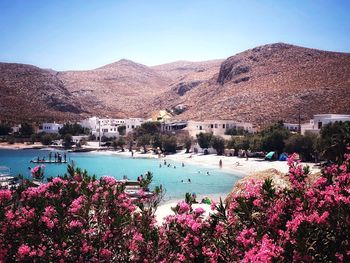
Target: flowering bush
[(38, 172), (79, 218)]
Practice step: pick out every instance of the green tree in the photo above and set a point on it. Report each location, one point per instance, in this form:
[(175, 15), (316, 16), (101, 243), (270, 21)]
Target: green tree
[(235, 131), (335, 139), (129, 139), (169, 143), (143, 141), (46, 139), (149, 127), (157, 141), (255, 143), (26, 130), (73, 129), (120, 142), (274, 136), (122, 130), (204, 139), (218, 143), (188, 143), (304, 145), (67, 141), (5, 129)]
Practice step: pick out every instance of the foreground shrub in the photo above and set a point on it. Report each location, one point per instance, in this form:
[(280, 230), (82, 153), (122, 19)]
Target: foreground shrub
[(76, 218), (307, 223), (79, 218)]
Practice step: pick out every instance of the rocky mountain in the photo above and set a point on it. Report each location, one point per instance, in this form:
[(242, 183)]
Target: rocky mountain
[(269, 83), (260, 85), (31, 93)]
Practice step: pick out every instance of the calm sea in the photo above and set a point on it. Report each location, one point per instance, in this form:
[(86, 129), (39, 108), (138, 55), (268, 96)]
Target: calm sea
[(116, 166)]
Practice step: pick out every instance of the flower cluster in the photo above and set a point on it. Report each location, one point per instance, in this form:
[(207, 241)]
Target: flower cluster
[(79, 218), (38, 172)]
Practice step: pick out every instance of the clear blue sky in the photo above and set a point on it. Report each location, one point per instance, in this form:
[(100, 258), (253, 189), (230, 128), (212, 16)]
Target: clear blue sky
[(85, 34)]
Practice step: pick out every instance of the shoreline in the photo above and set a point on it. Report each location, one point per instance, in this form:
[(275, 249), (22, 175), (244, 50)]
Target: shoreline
[(239, 167), (231, 164)]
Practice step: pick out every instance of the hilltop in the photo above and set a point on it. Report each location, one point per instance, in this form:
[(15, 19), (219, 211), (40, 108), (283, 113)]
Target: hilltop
[(260, 85)]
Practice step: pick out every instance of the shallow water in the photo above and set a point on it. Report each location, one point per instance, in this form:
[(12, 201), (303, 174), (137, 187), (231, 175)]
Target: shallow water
[(116, 166)]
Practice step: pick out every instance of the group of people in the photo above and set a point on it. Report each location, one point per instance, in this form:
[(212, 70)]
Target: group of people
[(169, 165), (58, 157)]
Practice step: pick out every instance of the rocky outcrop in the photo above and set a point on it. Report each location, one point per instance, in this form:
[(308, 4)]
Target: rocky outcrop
[(183, 87)]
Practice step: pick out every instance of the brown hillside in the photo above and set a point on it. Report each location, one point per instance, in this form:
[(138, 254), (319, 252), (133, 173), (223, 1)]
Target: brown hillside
[(261, 85), (272, 82), (119, 89), (31, 93)]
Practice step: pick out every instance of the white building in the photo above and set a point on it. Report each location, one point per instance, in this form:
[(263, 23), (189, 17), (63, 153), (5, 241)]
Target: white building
[(133, 123), (320, 120), (51, 127), (172, 126), (217, 127), (107, 127), (293, 127)]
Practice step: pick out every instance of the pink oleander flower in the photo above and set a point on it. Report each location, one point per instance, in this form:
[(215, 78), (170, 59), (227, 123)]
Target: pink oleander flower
[(183, 207), (23, 251), (5, 195), (75, 224), (199, 211), (105, 253)]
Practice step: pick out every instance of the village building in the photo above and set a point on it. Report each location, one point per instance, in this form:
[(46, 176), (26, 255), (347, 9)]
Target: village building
[(319, 120), (50, 127), (133, 123), (217, 127), (104, 127), (293, 127), (173, 126)]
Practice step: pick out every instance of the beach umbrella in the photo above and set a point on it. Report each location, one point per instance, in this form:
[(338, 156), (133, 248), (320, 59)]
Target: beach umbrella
[(269, 155)]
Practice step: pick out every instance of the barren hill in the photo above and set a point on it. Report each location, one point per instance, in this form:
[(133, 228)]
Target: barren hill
[(119, 89), (31, 93), (260, 85), (269, 83)]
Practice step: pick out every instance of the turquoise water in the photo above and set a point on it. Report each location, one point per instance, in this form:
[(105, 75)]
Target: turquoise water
[(103, 164)]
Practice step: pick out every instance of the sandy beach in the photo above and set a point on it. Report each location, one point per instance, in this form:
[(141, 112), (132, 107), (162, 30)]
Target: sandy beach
[(20, 146), (231, 164)]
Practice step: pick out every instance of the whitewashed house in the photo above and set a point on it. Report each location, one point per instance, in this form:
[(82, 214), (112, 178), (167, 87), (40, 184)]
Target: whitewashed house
[(217, 127), (319, 120), (293, 127), (133, 123), (107, 127), (51, 127), (173, 126)]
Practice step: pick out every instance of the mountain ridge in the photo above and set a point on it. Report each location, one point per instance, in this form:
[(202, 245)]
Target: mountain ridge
[(242, 87)]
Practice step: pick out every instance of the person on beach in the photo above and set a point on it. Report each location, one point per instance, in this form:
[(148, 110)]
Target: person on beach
[(183, 165), (132, 153), (220, 163)]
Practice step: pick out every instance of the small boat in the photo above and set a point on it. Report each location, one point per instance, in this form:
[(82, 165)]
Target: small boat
[(6, 179)]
